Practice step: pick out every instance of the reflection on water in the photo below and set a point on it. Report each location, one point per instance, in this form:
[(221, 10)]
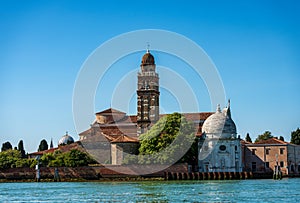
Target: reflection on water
[(286, 190)]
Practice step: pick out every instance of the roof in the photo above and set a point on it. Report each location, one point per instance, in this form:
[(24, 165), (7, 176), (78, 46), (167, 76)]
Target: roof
[(243, 142), (64, 148), (111, 111), (123, 128), (86, 132), (148, 59), (124, 139), (272, 141), (197, 116)]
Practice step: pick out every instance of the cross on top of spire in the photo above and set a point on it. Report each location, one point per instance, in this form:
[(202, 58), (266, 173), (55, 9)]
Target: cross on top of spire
[(148, 47)]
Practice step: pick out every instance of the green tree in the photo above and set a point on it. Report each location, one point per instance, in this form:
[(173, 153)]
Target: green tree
[(166, 140), (43, 145), (13, 158), (76, 157), (295, 137), (248, 138), (265, 136), (8, 158), (6, 146), (46, 159), (281, 138), (21, 148), (71, 158)]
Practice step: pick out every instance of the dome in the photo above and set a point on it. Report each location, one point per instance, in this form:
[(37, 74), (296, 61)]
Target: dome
[(66, 139), (220, 124), (148, 59)]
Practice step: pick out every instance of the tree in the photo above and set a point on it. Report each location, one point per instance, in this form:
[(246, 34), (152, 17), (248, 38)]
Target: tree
[(248, 138), (281, 138), (21, 149), (6, 146), (295, 137), (265, 136), (72, 158), (167, 139), (43, 145), (8, 158), (12, 159)]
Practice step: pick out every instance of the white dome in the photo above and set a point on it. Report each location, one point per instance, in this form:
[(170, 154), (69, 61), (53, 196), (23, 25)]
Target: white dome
[(220, 124), (66, 139)]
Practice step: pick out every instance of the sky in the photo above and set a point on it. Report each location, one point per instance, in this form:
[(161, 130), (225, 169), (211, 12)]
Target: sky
[(255, 46)]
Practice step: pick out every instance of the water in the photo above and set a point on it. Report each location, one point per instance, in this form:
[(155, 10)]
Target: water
[(286, 190)]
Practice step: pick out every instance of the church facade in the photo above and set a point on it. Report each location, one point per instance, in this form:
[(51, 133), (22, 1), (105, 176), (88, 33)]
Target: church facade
[(220, 148), (114, 134)]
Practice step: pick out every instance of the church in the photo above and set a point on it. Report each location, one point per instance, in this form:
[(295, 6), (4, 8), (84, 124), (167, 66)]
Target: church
[(113, 134)]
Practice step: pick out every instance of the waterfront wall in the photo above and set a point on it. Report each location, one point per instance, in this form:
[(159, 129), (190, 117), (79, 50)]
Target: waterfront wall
[(215, 175), (175, 172), (84, 173)]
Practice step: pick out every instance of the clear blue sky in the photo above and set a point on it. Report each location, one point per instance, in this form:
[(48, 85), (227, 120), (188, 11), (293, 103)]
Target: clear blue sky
[(254, 44)]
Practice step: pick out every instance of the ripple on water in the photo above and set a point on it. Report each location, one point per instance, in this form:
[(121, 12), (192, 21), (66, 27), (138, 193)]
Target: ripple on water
[(286, 190)]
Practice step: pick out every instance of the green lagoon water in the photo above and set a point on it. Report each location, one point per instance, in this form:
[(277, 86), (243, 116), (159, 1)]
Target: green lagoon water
[(285, 190)]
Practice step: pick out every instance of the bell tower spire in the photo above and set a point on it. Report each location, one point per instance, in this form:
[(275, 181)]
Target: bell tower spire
[(147, 93)]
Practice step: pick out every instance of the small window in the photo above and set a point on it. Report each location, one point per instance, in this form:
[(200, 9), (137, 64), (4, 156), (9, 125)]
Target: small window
[(222, 147), (253, 151), (281, 150), (235, 148), (267, 165), (267, 151), (281, 164)]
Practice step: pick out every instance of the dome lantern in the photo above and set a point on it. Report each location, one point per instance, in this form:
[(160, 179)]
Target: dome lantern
[(65, 140), (220, 125), (147, 59)]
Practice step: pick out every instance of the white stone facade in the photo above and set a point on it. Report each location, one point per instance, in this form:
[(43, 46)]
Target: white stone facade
[(220, 151)]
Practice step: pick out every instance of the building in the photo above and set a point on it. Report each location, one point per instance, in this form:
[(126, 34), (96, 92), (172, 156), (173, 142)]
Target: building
[(147, 94), (65, 140), (220, 151), (263, 156), (114, 134)]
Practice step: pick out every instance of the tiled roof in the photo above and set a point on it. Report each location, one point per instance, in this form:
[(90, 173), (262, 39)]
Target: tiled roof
[(193, 116), (111, 111), (115, 130), (271, 141), (243, 142), (64, 148), (86, 132), (124, 138), (197, 116), (123, 127)]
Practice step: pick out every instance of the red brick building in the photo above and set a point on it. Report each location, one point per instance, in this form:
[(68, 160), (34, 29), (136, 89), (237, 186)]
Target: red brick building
[(114, 133), (264, 155)]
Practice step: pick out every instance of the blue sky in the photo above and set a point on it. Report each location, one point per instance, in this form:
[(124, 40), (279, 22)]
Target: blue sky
[(255, 46)]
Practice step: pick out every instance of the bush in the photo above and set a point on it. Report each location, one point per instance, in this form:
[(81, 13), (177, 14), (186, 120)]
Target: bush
[(72, 158), (13, 158)]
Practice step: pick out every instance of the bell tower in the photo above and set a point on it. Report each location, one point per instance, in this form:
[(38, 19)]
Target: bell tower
[(147, 94)]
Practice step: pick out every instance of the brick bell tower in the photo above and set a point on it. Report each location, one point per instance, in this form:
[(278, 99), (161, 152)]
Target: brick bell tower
[(147, 94)]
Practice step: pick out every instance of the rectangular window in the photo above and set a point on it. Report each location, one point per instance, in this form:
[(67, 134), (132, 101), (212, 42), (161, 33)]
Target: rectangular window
[(281, 164), (281, 150), (267, 165), (253, 166), (267, 151), (253, 151)]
